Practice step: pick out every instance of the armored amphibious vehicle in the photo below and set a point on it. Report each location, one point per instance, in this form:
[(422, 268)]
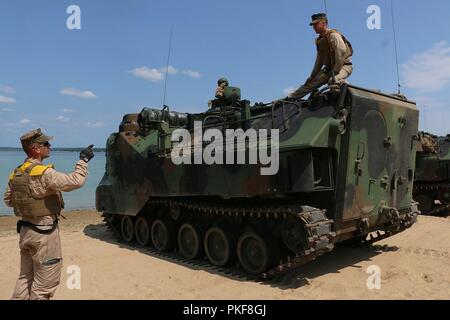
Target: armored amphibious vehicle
[(432, 179), (345, 172)]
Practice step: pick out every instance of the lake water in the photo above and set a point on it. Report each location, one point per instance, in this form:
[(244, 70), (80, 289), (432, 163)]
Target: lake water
[(64, 161)]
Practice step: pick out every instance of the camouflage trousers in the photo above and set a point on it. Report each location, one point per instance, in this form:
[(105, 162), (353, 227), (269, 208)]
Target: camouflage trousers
[(319, 80), (40, 265)]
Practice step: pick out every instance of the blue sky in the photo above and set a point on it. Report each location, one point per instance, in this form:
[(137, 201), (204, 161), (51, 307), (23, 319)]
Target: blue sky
[(77, 84)]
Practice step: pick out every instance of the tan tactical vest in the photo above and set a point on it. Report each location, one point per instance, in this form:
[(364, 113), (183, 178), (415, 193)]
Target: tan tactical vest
[(23, 202), (325, 49)]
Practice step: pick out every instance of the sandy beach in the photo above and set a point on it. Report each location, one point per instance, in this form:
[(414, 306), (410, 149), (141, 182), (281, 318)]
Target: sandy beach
[(414, 265)]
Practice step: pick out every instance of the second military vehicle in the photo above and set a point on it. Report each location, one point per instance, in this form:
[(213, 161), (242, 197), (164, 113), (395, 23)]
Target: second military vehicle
[(432, 179), (346, 170)]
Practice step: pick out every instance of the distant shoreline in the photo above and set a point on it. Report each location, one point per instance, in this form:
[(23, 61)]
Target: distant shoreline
[(77, 149)]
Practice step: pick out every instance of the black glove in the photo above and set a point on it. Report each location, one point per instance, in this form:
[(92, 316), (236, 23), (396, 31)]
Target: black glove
[(87, 154)]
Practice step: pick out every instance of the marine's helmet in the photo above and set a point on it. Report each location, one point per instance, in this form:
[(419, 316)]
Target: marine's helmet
[(221, 80)]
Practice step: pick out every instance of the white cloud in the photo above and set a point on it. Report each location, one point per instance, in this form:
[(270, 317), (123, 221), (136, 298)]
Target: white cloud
[(95, 124), (148, 74), (25, 121), (157, 74), (7, 89), (191, 73), (428, 71), (153, 74), (66, 110), (7, 100), (7, 110), (289, 90), (62, 118), (171, 69), (78, 93)]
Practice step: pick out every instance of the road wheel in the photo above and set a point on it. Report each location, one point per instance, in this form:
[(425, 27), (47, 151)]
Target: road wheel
[(253, 253), (127, 229), (218, 246), (189, 241), (142, 231), (162, 233)]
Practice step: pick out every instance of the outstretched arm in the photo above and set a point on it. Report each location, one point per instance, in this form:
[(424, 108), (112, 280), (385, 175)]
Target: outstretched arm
[(59, 181)]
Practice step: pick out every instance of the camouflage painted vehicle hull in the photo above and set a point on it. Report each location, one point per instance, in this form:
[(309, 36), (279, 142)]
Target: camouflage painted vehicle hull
[(432, 179), (346, 169)]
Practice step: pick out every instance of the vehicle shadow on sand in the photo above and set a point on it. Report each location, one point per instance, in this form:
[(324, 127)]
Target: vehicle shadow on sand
[(341, 257)]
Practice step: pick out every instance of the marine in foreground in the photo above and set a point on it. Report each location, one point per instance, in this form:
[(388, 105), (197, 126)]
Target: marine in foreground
[(34, 191)]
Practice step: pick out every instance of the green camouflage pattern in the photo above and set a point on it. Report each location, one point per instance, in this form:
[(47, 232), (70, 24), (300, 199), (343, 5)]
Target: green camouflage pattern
[(352, 153), (434, 166), (432, 178)]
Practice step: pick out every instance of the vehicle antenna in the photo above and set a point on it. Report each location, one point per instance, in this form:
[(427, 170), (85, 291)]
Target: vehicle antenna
[(395, 45), (167, 65), (325, 4)]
